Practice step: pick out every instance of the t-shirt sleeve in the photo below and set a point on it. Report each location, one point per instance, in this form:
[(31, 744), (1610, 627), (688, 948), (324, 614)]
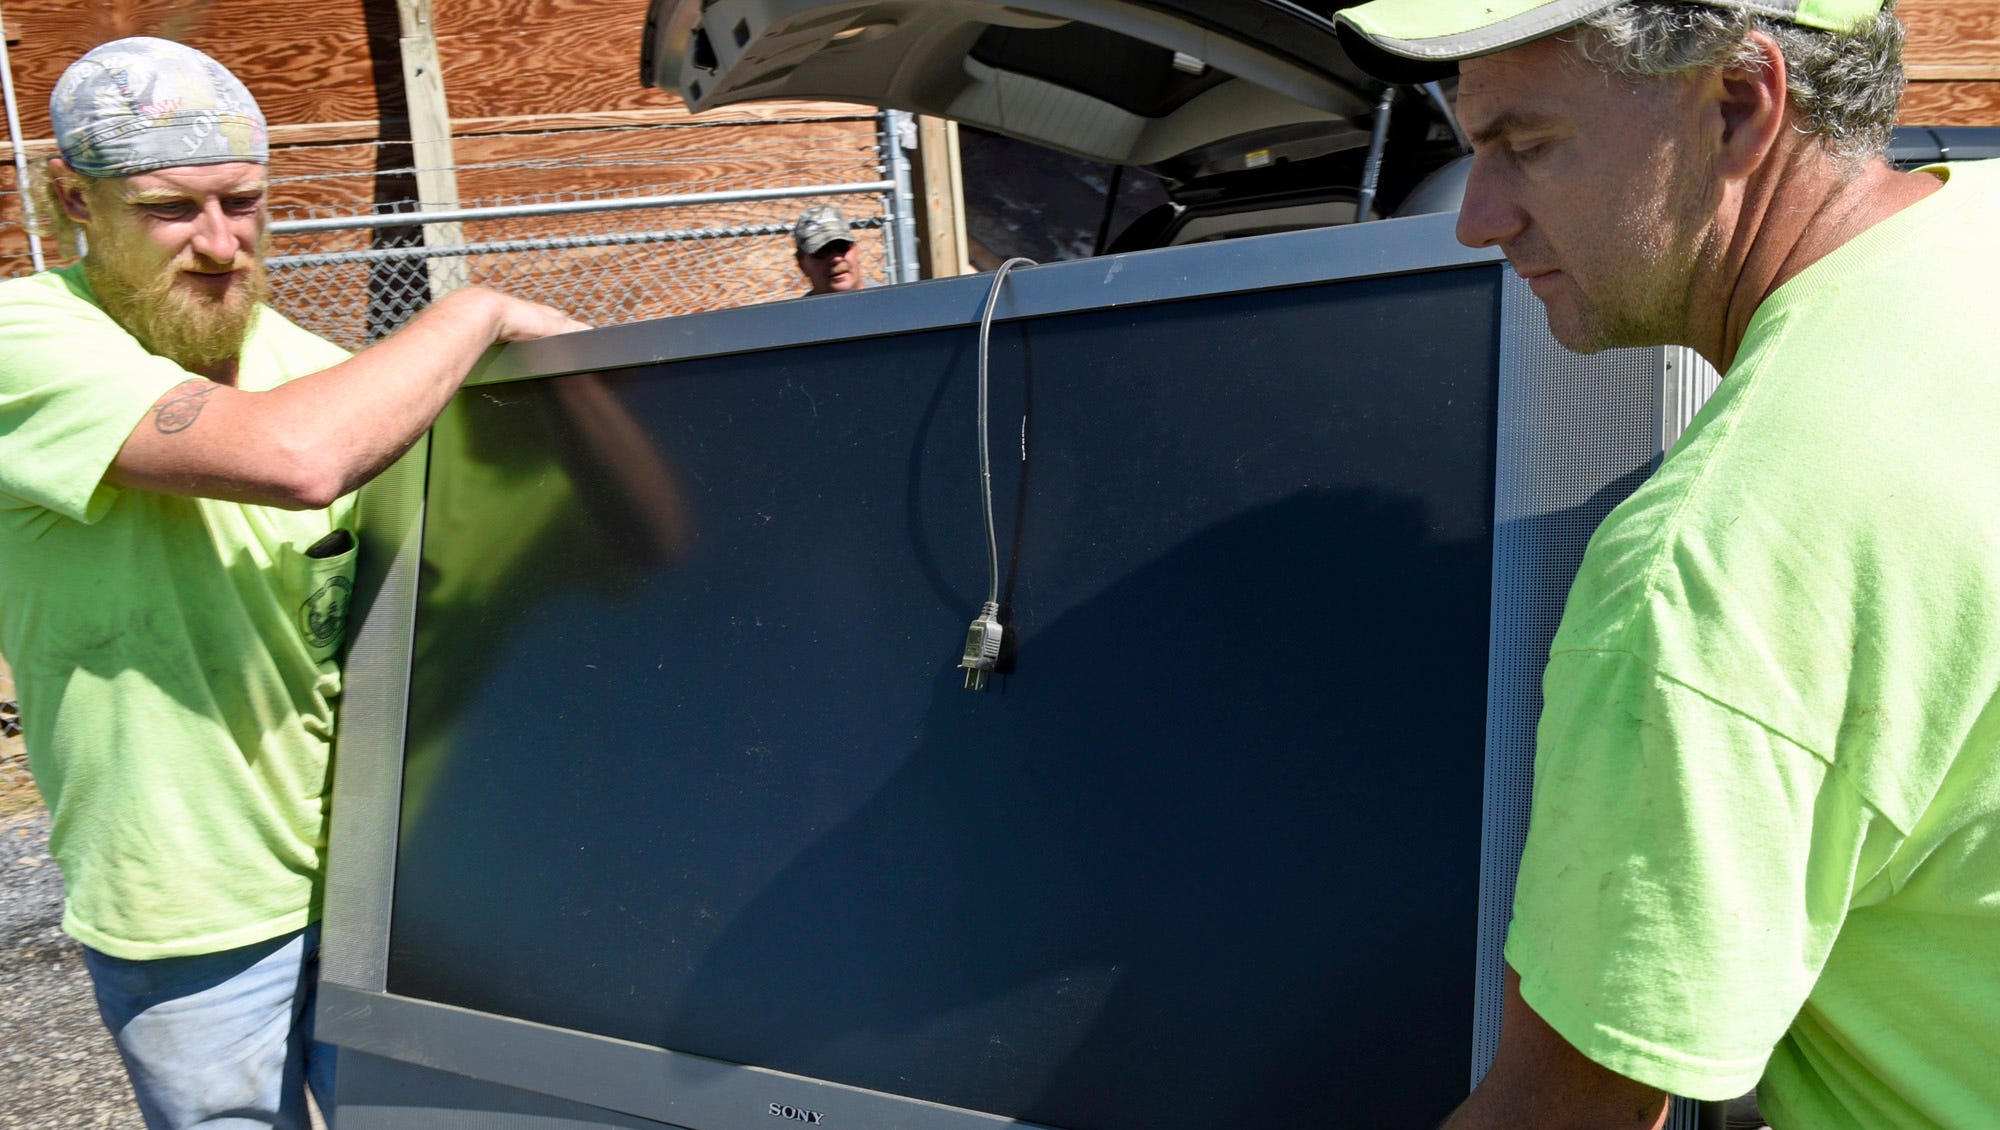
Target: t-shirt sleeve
[(1685, 874), (73, 385)]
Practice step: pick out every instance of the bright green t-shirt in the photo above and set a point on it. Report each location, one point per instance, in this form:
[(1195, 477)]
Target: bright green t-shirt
[(1765, 838), (174, 656)]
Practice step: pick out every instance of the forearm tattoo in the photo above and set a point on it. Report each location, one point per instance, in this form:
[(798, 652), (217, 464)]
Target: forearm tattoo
[(181, 407)]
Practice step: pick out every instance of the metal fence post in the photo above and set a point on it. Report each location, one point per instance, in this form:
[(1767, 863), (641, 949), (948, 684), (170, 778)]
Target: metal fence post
[(900, 210), (21, 177)]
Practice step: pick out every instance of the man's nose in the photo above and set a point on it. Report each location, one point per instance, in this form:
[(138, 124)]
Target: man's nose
[(214, 236), (1489, 215)]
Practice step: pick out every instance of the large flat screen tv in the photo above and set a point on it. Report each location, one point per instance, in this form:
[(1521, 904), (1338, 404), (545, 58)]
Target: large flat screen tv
[(661, 799)]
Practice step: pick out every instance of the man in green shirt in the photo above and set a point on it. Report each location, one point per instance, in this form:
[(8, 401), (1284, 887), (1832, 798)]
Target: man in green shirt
[(1764, 847), (176, 460)]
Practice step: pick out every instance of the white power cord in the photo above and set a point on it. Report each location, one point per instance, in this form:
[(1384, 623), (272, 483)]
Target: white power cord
[(982, 640)]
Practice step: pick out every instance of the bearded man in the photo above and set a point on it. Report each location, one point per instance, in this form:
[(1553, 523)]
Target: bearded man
[(1765, 835), (176, 460)]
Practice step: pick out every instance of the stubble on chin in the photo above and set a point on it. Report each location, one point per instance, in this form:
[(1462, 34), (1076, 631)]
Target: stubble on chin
[(1671, 242)]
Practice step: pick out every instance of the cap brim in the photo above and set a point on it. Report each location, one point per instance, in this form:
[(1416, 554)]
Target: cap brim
[(1422, 40), (1388, 67), (813, 245)]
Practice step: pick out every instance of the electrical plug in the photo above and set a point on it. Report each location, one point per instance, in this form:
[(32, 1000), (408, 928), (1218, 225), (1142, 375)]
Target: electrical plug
[(982, 647)]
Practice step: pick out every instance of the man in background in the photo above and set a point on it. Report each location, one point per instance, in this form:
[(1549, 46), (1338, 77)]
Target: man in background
[(826, 252), (1765, 836), (176, 554)]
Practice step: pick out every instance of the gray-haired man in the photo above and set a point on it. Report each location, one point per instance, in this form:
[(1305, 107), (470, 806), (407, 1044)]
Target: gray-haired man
[(175, 558), (1765, 838)]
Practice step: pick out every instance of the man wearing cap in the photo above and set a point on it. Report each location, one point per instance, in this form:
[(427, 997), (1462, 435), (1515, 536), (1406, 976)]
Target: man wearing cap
[(175, 560), (826, 252), (1764, 847)]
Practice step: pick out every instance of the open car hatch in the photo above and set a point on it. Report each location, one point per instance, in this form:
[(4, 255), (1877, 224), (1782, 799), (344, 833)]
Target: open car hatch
[(1117, 81)]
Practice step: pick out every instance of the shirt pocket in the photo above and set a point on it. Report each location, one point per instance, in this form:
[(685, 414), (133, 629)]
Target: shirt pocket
[(319, 582)]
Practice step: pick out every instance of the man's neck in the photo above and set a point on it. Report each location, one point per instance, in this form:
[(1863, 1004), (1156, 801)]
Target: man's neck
[(1796, 210), (223, 373)]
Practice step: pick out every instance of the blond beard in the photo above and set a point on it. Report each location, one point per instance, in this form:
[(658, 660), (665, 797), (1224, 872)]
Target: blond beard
[(195, 331)]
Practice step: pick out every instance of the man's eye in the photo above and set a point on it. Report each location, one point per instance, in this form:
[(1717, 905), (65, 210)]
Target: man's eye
[(175, 210), (1525, 151), (242, 205)]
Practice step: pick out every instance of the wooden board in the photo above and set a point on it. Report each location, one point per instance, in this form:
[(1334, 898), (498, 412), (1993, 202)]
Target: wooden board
[(328, 74), (1952, 104), (544, 57), (1951, 39), (1952, 55)]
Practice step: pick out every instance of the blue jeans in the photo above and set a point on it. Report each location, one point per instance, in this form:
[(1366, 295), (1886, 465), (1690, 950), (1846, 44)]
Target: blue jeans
[(221, 1041)]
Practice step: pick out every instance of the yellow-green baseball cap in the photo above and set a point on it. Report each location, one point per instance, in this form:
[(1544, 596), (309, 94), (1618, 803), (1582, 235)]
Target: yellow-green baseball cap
[(1419, 40)]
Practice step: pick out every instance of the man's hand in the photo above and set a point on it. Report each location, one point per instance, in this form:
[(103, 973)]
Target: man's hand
[(517, 319), (1538, 1079)]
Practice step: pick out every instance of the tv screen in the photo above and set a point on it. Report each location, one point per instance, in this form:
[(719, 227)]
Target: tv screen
[(690, 763)]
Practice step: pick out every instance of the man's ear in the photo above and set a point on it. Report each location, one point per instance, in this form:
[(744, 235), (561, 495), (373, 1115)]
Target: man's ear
[(69, 190), (1751, 107)]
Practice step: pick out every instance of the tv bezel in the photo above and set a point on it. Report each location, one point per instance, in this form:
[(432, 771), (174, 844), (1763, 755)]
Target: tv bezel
[(644, 1084)]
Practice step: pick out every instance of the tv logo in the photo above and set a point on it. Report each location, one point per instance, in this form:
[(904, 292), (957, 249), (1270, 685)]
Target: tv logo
[(809, 1117)]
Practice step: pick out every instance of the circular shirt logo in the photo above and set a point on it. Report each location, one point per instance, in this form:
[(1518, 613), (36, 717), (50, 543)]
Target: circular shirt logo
[(323, 617)]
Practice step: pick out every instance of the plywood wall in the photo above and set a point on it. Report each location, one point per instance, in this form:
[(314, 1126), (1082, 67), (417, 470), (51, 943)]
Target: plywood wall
[(536, 90), (322, 61), (1953, 59)]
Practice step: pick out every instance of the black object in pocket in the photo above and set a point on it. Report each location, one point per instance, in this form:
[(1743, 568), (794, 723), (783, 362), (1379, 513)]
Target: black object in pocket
[(332, 545)]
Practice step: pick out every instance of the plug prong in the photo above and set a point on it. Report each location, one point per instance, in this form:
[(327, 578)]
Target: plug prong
[(982, 647)]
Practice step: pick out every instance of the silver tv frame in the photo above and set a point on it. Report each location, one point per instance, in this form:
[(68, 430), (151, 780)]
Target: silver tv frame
[(409, 1064)]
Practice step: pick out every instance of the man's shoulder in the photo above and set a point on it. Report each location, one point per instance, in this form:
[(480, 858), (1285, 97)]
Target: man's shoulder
[(1908, 292), (50, 310), (1956, 227), (56, 286), (1708, 551)]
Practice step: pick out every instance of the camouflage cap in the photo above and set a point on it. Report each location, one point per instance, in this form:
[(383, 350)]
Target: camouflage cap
[(139, 104), (820, 225)]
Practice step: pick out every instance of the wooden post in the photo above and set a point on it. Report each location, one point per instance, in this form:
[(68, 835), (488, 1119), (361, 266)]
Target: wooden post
[(941, 187), (430, 140)]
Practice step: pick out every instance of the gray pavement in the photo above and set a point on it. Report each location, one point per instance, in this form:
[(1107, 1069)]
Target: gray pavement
[(58, 1070)]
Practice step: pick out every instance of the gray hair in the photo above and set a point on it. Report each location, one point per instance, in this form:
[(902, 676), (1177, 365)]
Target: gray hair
[(1845, 85)]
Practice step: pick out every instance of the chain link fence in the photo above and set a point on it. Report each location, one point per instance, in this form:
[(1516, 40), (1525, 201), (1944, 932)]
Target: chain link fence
[(611, 224)]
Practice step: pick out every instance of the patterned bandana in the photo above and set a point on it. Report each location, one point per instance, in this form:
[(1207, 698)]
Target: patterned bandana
[(139, 104)]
